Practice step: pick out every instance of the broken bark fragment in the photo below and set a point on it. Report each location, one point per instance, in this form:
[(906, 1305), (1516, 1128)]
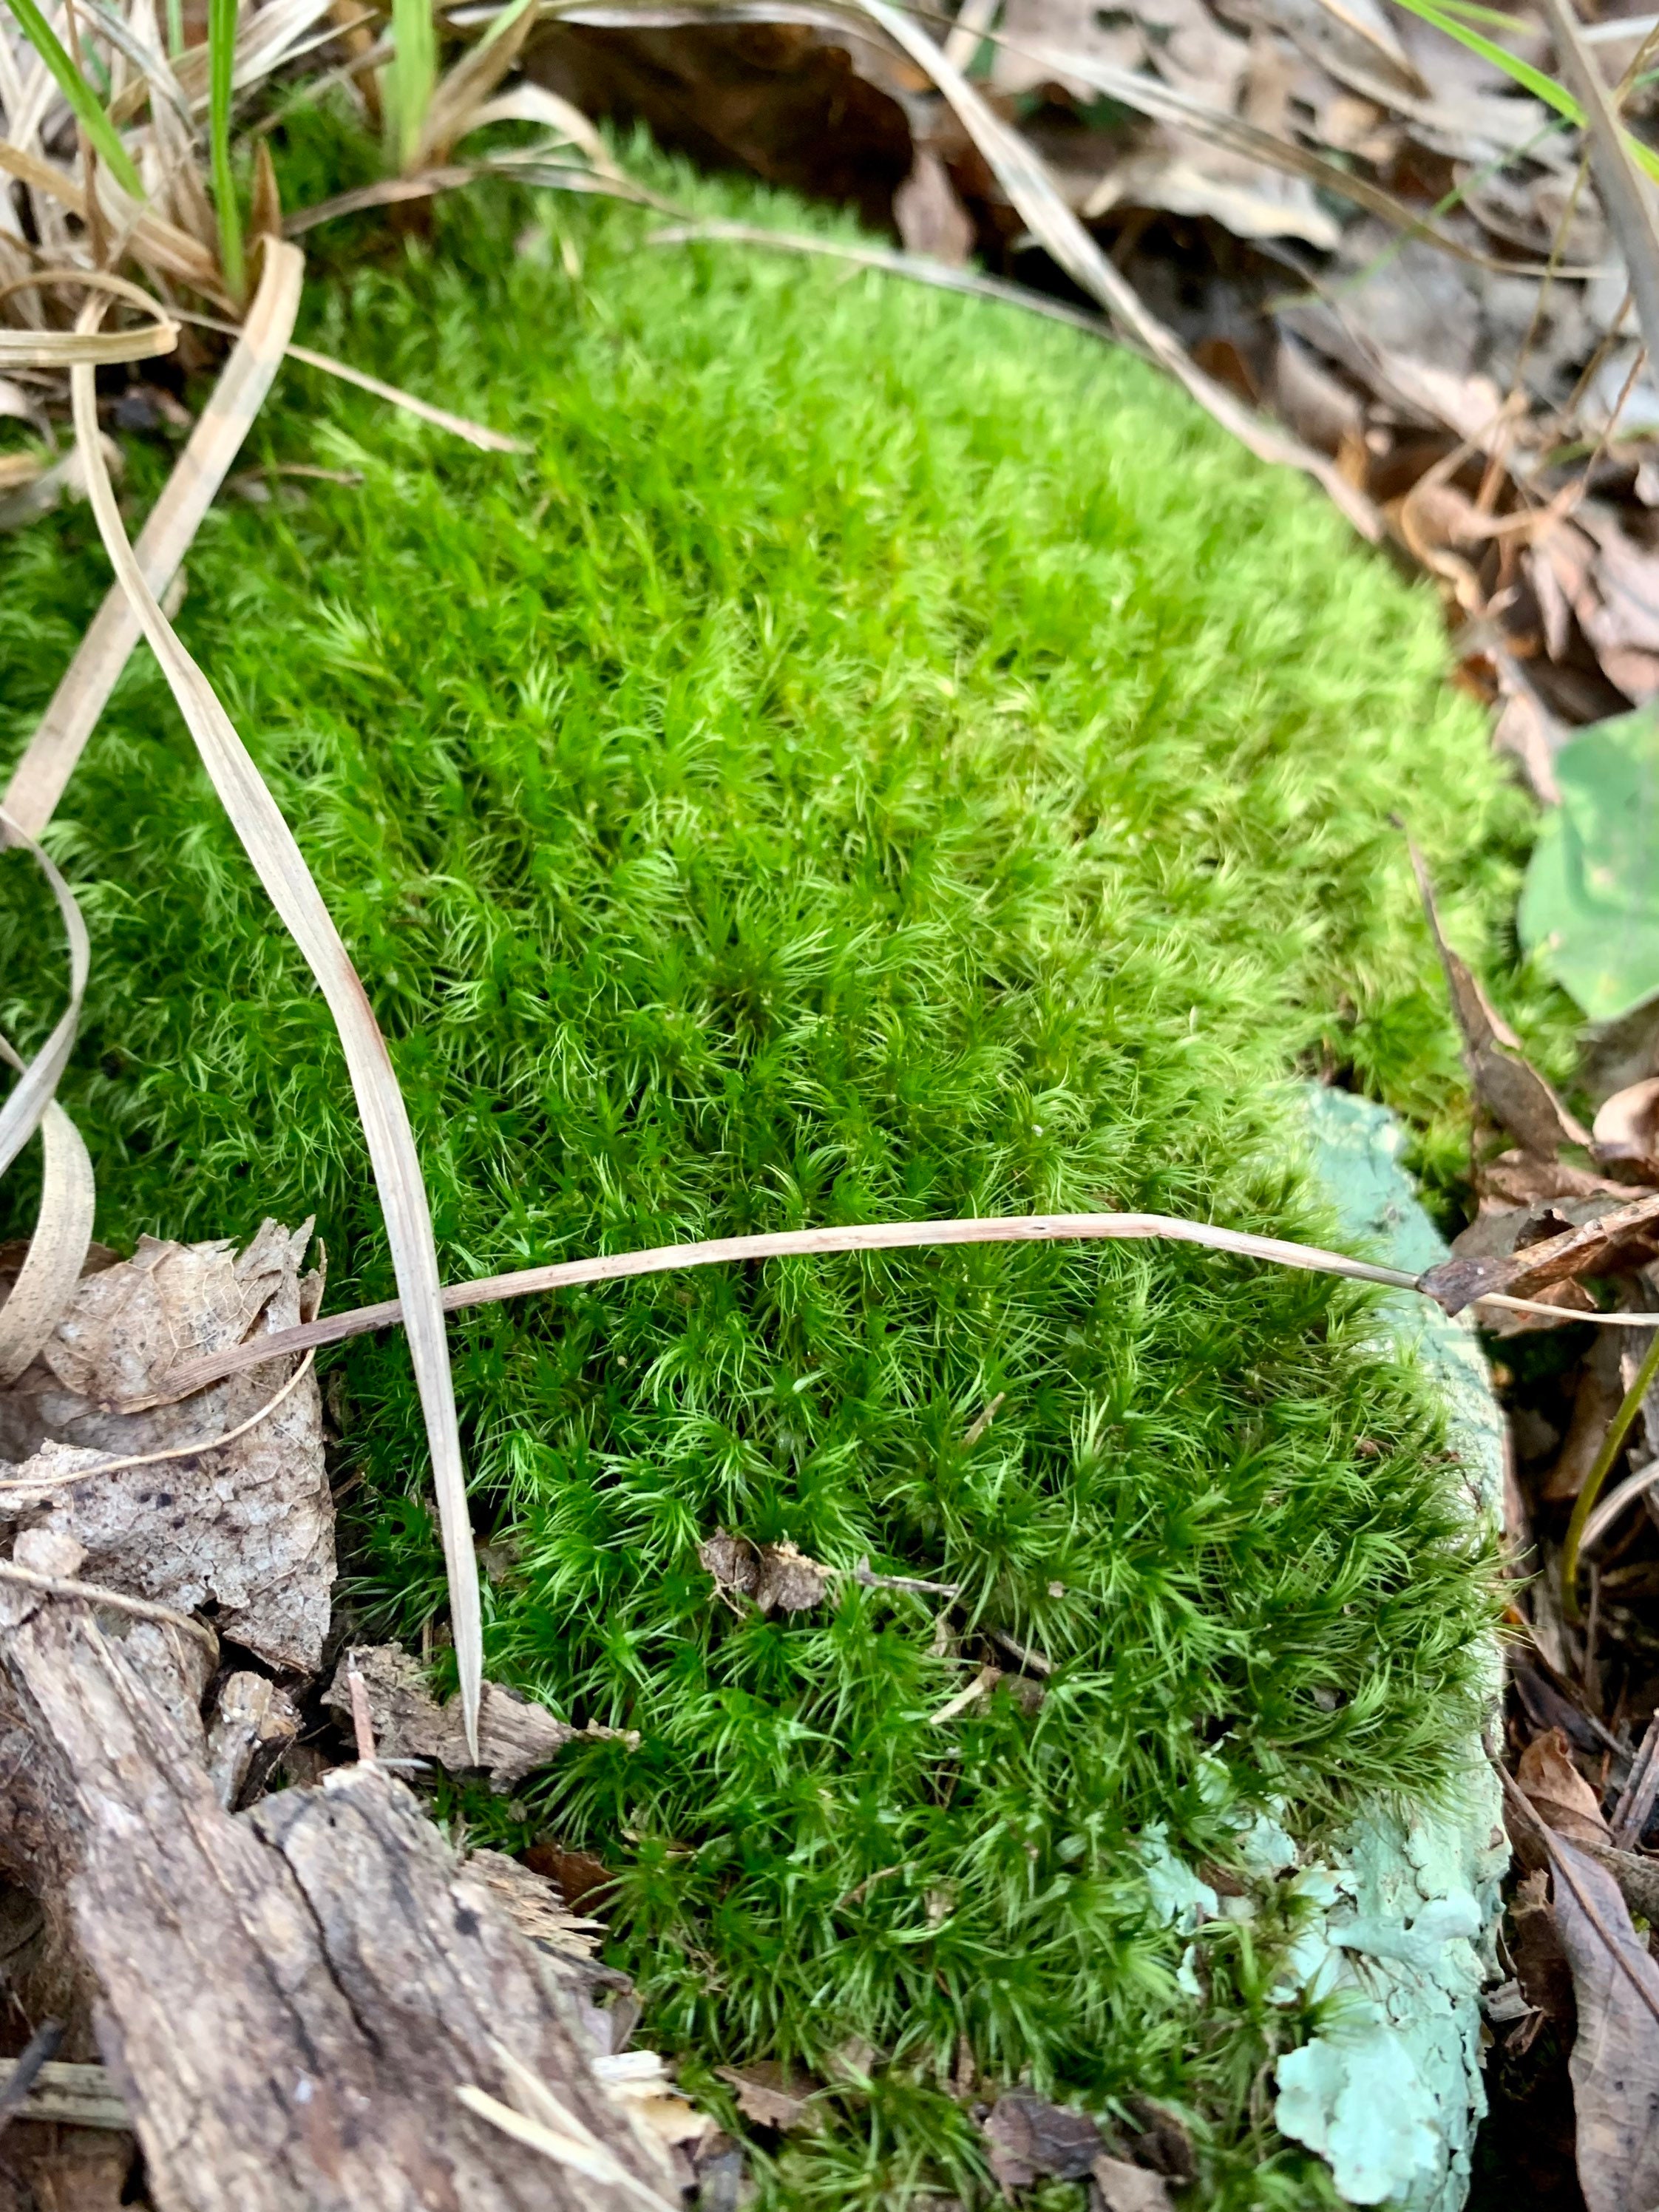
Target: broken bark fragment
[(288, 2000), (254, 1725), (1626, 1237), (515, 1736), (247, 1525)]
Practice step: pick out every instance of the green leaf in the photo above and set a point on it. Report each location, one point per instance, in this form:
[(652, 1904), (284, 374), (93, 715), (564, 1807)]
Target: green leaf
[(411, 77), (222, 67), (83, 101), (1590, 907)]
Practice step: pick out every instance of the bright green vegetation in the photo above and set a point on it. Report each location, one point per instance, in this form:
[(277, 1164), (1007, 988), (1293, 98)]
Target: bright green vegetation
[(880, 756)]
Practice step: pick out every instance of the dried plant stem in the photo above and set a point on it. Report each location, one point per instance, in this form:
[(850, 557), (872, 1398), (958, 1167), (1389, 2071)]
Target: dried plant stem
[(1618, 1429), (789, 1243), (280, 867), (171, 1451), (142, 1608), (48, 762)]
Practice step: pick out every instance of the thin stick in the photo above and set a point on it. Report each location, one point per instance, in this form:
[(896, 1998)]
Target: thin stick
[(1635, 1807), (115, 1600), (172, 1451), (362, 1720)]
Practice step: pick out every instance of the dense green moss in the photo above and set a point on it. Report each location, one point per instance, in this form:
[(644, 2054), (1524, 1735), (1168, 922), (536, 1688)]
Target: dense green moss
[(878, 757)]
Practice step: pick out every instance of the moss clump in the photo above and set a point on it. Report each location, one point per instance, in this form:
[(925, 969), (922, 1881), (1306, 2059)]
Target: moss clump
[(879, 758)]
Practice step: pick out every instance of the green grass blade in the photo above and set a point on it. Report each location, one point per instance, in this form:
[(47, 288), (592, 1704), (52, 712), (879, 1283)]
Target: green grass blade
[(88, 109), (221, 65), (1457, 22), (411, 77)]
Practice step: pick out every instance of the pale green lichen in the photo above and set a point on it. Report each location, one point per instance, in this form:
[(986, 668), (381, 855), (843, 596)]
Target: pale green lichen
[(1400, 1939)]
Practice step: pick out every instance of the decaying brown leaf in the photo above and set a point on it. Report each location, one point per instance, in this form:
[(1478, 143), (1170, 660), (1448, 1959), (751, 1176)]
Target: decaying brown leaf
[(1512, 1092), (248, 1525), (931, 219), (575, 1874), (1118, 2186), (1615, 2056), (1563, 1800), (1626, 1130), (774, 2095), (1030, 2140), (515, 1736), (777, 1576), (1540, 1959)]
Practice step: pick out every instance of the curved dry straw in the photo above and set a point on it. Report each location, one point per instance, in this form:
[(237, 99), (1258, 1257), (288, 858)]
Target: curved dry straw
[(803, 1243), (30, 349)]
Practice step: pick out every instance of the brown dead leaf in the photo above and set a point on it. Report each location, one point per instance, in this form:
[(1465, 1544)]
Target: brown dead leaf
[(1119, 2187), (774, 2095), (248, 1527), (777, 1576), (1615, 2056), (1626, 1130), (577, 1875), (1158, 2139), (1596, 1397), (1031, 2140), (1532, 736), (1517, 1178), (1558, 1792), (89, 2176), (788, 1580), (1535, 1946), (1033, 28), (1511, 1091), (1319, 407), (515, 1737), (931, 219)]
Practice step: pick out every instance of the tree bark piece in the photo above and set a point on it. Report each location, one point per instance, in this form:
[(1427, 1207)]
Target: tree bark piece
[(1624, 1237), (288, 2000)]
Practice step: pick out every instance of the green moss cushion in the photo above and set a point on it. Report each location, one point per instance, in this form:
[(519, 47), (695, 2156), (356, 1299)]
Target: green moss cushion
[(877, 756)]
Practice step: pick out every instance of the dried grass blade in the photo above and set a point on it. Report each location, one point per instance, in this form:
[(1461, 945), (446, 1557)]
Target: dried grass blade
[(476, 434), (386, 191), (582, 2154), (920, 268), (1628, 199), (463, 92), (57, 1250), (277, 861), (160, 246), (20, 1117), (786, 1244), (38, 781)]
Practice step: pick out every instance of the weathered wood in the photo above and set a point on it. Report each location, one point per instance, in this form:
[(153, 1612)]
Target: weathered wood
[(288, 2000)]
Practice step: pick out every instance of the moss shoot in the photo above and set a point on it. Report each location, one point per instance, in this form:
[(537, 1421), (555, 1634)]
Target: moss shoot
[(877, 756)]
